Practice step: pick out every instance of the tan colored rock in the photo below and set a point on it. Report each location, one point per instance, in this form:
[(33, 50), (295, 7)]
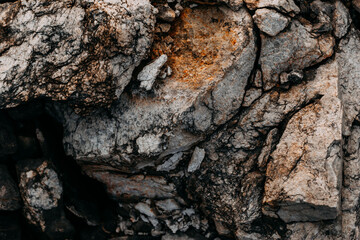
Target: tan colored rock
[(304, 176)]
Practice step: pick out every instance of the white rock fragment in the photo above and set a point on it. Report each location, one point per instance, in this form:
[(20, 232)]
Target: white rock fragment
[(270, 21), (196, 159), (168, 205), (148, 75), (145, 209), (149, 143)]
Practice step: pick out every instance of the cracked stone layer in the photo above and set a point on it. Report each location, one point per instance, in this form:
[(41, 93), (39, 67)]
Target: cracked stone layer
[(81, 51), (304, 174), (211, 63), (229, 166), (294, 49)]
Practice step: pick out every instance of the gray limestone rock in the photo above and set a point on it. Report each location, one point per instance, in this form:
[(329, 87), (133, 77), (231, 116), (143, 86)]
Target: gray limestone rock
[(341, 20), (294, 49), (270, 21), (41, 192), (196, 159), (201, 94)]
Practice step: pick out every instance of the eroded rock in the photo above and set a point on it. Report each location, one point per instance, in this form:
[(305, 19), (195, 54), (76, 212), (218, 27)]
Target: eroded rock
[(81, 51), (9, 192), (205, 89), (293, 49), (270, 21), (304, 176)]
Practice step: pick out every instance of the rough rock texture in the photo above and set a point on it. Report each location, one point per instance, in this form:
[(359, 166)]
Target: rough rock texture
[(204, 91), (179, 119), (304, 174), (278, 54), (270, 21), (83, 51), (41, 192)]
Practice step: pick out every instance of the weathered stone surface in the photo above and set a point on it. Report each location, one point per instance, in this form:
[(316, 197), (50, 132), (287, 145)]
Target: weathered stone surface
[(120, 186), (9, 192), (286, 6), (270, 21), (341, 19), (231, 157), (83, 51), (304, 176), (196, 159), (296, 48), (41, 192), (348, 57), (205, 90)]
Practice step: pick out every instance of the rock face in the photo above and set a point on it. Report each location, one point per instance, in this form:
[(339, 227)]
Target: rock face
[(304, 175), (205, 89), (176, 119), (82, 51)]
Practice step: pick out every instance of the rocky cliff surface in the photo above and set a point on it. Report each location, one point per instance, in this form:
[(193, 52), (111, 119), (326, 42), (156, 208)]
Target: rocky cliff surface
[(179, 119)]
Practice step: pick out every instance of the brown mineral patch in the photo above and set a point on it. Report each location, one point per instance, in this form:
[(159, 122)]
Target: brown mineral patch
[(200, 46)]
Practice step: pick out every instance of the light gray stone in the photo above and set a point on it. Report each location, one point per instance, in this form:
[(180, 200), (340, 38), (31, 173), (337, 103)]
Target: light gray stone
[(270, 21), (196, 159), (341, 19), (294, 49), (148, 75), (286, 6)]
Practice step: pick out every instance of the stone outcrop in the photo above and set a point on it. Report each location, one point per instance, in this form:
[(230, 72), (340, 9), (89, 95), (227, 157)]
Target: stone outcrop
[(179, 119), (81, 51)]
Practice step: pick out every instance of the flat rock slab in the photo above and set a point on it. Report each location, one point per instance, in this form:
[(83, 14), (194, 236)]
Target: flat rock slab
[(304, 175)]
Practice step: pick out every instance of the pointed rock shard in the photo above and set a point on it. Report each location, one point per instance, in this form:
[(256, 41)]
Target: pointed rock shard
[(196, 159), (148, 75), (304, 176)]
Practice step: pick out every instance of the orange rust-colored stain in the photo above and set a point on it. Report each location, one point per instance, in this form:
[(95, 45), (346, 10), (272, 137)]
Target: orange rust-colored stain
[(202, 39)]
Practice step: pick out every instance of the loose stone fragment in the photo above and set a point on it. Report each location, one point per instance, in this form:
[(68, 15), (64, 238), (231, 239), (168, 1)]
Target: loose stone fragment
[(270, 21), (304, 176), (9, 192), (148, 75), (166, 13), (196, 159), (139, 186), (171, 163), (41, 191)]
